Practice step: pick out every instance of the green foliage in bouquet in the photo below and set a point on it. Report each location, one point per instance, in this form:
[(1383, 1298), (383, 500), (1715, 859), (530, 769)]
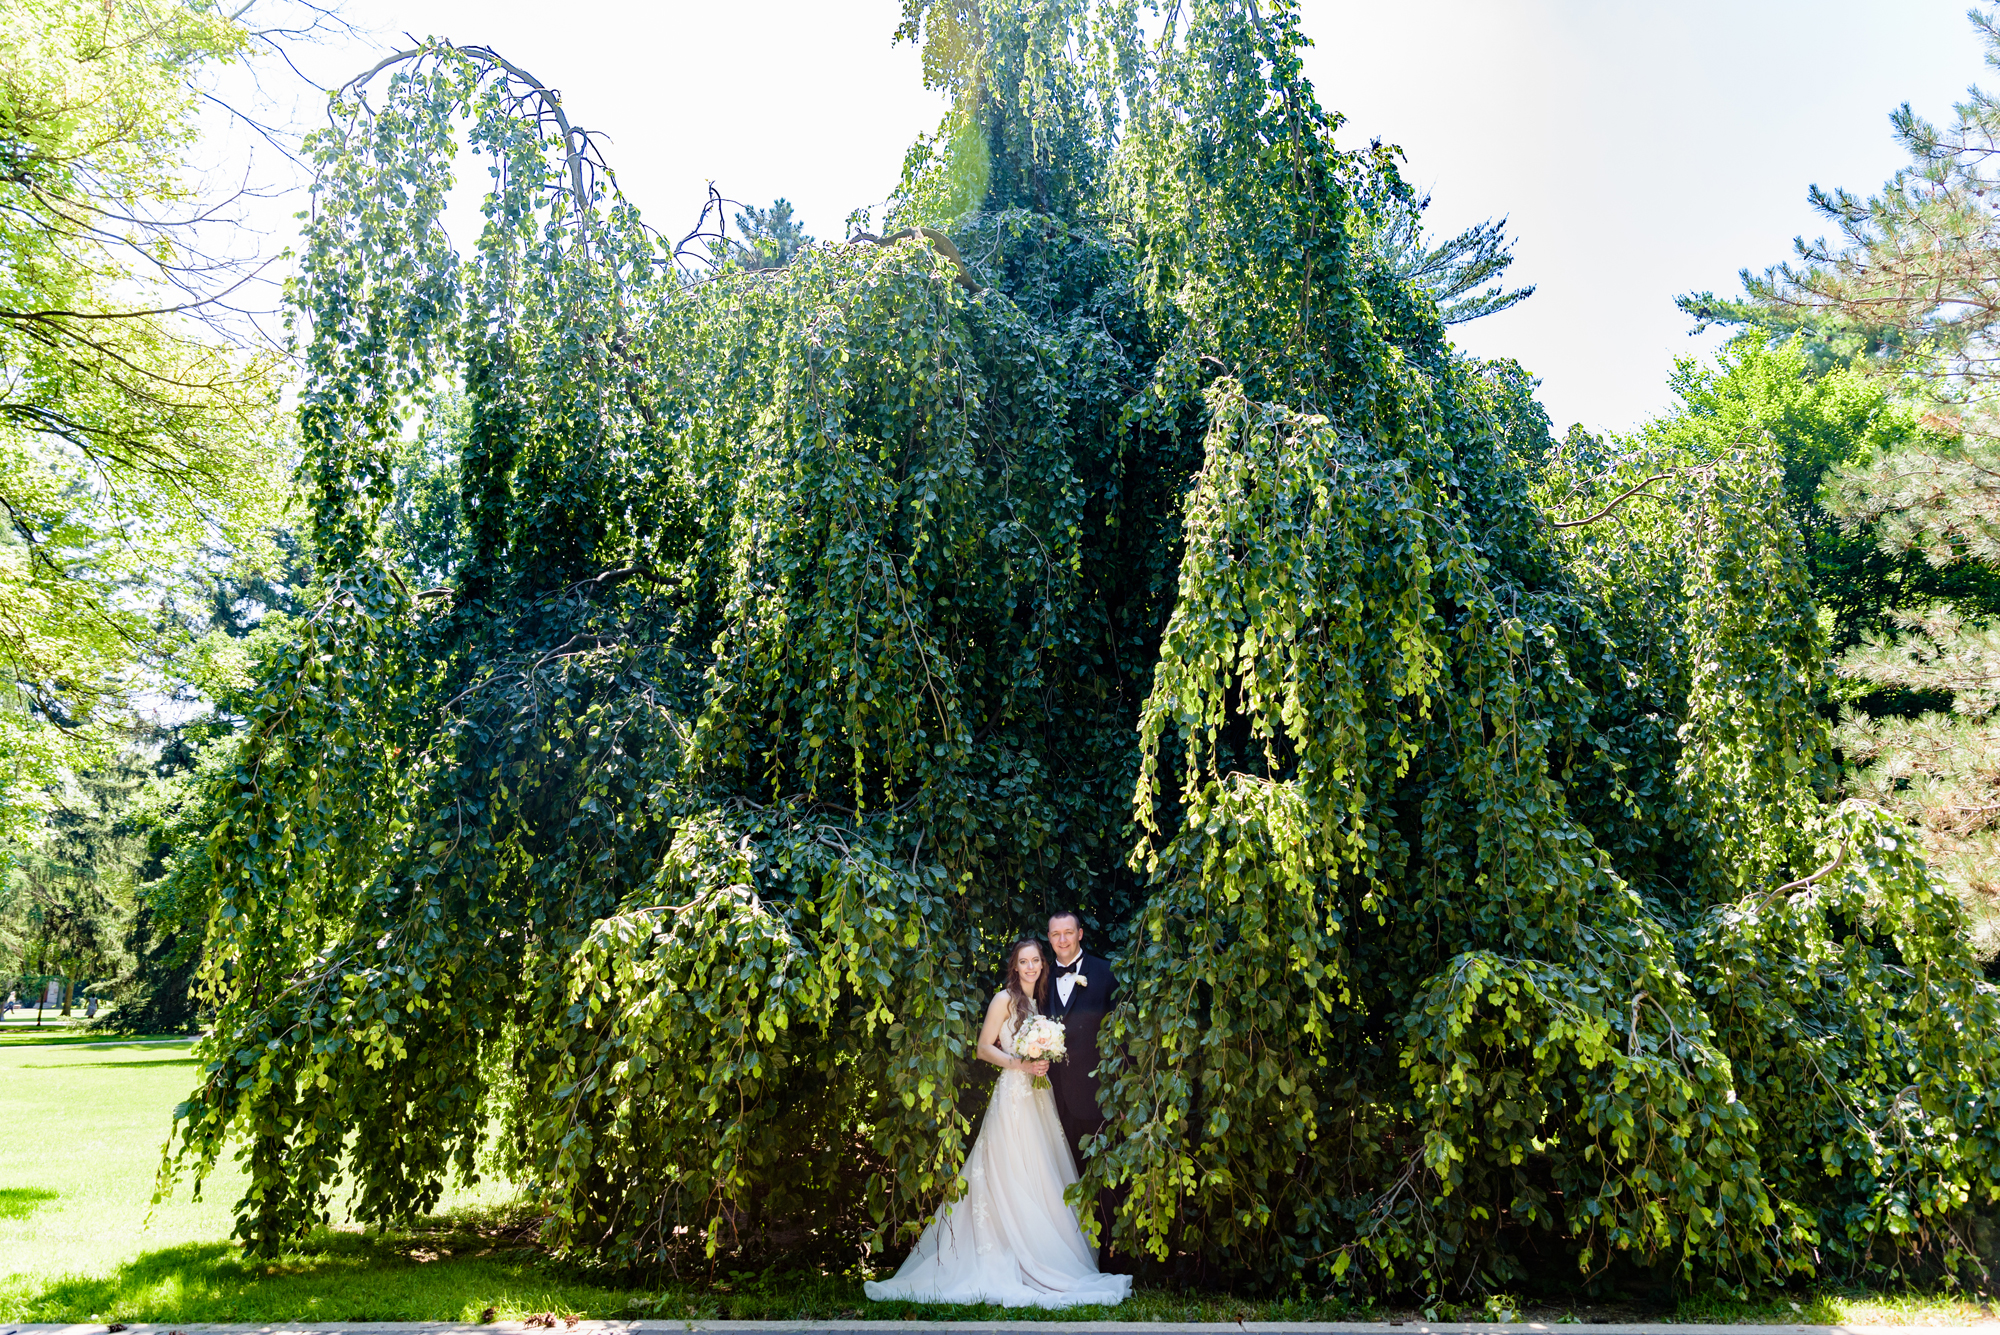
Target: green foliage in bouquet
[(1133, 538)]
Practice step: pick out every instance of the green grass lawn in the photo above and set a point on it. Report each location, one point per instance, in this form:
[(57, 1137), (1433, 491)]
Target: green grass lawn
[(80, 1136), (21, 1025)]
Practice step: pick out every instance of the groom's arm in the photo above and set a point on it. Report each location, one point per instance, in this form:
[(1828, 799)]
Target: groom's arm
[(1111, 992)]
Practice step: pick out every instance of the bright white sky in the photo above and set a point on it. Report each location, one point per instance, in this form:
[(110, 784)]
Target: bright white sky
[(1640, 149)]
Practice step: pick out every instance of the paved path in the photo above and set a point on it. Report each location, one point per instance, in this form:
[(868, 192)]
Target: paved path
[(997, 1328)]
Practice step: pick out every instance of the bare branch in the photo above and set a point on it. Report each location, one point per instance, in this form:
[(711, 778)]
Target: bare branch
[(1806, 882), (576, 141), (1615, 502), (938, 242)]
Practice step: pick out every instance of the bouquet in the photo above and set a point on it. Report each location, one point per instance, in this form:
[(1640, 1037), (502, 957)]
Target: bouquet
[(1040, 1039)]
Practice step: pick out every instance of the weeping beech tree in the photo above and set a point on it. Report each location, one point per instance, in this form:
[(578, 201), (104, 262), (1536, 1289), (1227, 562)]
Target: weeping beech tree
[(1124, 534)]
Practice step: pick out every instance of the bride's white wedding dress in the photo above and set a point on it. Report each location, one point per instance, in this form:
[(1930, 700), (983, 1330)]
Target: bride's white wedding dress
[(1011, 1238)]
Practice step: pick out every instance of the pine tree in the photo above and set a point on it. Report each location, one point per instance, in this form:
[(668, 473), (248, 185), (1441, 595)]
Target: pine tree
[(1450, 269), (68, 904), (772, 236), (1906, 291)]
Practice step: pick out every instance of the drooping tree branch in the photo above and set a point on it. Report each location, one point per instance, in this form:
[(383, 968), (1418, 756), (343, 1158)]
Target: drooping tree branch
[(1617, 500), (578, 145), (939, 242)]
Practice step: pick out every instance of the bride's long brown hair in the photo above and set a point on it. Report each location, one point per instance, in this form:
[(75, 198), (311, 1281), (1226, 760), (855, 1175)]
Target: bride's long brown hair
[(1020, 993)]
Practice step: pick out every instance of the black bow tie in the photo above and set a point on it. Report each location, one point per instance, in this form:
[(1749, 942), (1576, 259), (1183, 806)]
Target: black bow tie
[(1069, 968)]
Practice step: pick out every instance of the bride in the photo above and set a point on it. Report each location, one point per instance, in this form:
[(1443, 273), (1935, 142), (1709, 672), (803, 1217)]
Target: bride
[(1011, 1238)]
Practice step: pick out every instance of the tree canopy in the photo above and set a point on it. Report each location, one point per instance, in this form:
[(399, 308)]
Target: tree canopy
[(1124, 533), (1903, 296), (771, 236), (1823, 422), (130, 432), (1449, 270)]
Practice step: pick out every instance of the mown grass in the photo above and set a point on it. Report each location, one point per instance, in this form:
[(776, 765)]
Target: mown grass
[(20, 1027), (332, 1278), (1907, 1307), (80, 1138), (81, 1132), (85, 1038)]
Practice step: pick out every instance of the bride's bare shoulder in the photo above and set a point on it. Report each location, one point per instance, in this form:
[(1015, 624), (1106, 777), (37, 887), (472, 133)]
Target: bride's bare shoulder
[(1000, 1004)]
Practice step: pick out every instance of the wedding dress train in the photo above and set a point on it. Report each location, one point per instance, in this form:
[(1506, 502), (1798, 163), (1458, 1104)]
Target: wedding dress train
[(1011, 1238)]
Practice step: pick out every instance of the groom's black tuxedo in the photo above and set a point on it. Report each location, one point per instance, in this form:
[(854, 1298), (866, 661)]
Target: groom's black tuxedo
[(1074, 1079)]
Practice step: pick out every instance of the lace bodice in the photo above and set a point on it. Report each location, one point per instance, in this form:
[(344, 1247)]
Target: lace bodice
[(1009, 1025), (1013, 1083)]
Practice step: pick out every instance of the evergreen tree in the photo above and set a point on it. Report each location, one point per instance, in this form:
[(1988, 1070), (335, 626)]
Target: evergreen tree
[(1906, 292), (73, 897), (1450, 269), (239, 605), (771, 237)]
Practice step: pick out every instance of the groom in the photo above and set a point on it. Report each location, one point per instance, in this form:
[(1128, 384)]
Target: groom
[(1084, 989)]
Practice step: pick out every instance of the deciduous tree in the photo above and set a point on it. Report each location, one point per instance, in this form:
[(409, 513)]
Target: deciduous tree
[(130, 430), (1124, 534)]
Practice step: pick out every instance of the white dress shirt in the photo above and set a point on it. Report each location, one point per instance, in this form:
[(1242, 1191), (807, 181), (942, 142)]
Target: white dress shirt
[(1066, 983)]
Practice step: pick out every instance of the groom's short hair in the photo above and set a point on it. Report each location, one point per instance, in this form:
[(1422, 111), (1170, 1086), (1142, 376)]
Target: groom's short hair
[(1071, 914)]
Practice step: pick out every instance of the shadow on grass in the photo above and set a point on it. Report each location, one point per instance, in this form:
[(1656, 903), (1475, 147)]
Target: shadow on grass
[(331, 1277), (122, 1066), (454, 1267), (21, 1037), (20, 1202), (451, 1268)]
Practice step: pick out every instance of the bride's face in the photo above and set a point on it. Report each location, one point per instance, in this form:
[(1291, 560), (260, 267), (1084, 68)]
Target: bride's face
[(1028, 967)]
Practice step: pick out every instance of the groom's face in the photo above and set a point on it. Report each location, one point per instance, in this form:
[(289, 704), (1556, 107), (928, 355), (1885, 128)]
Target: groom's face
[(1065, 936)]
